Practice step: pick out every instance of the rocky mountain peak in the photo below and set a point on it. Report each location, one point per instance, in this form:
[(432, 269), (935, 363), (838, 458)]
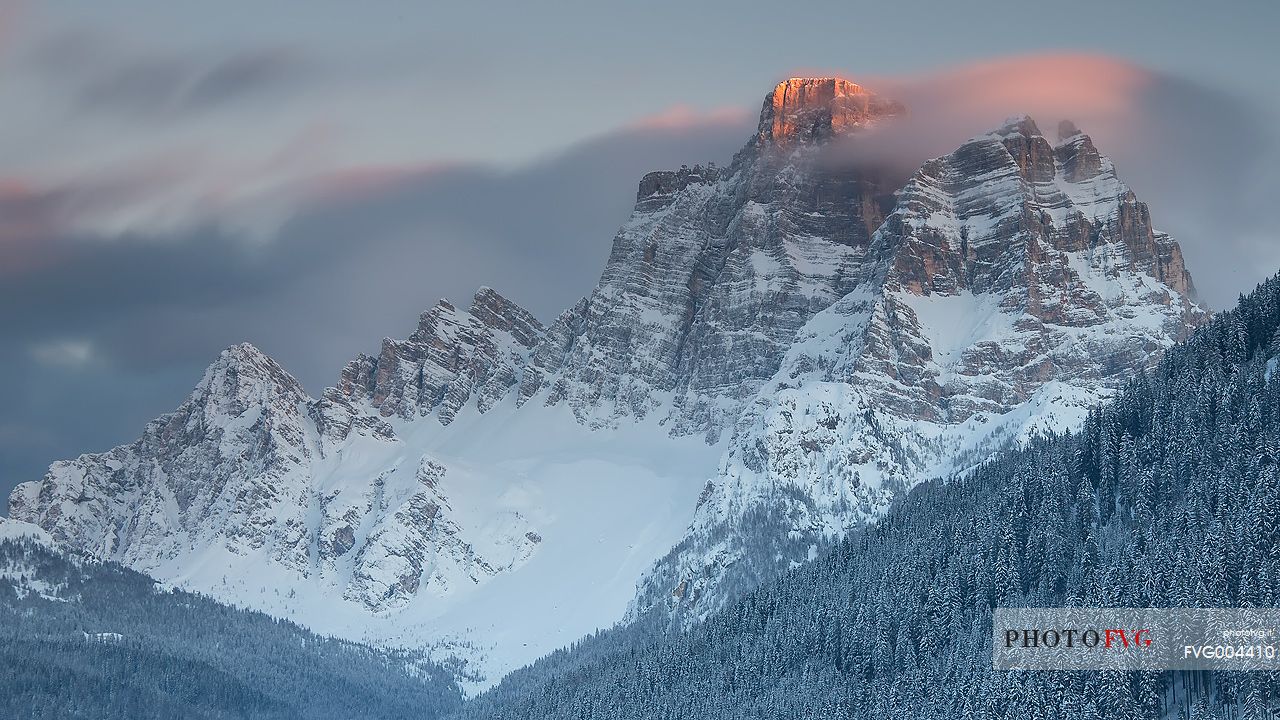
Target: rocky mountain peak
[(1030, 150), (244, 376), (1067, 129), (246, 357), (1012, 201), (1074, 155), (1077, 157), (453, 357), (806, 109), (498, 313), (1023, 125), (718, 267)]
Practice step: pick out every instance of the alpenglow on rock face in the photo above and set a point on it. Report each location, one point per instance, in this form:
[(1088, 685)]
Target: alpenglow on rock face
[(841, 333), (808, 109)]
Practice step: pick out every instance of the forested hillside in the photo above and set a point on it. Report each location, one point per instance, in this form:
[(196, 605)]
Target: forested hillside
[(79, 639), (1167, 497)]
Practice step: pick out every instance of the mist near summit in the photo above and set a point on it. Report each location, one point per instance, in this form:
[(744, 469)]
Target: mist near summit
[(117, 319)]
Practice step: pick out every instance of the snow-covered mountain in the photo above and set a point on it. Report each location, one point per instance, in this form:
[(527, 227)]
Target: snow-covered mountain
[(494, 487), (245, 467), (1015, 284), (393, 509)]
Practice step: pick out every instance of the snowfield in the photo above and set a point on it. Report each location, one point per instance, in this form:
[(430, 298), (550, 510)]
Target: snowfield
[(605, 504)]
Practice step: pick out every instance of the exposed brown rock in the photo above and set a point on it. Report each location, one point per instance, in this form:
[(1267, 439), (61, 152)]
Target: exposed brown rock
[(806, 109)]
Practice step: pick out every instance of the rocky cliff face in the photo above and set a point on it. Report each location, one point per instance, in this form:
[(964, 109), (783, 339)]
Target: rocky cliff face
[(1014, 284), (813, 109), (842, 332), (717, 269), (451, 358)]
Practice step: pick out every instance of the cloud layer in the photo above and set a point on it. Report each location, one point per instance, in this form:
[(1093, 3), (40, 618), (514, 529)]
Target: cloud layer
[(109, 321)]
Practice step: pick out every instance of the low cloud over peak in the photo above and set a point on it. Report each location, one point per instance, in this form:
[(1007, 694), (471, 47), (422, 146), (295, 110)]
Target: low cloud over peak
[(355, 250)]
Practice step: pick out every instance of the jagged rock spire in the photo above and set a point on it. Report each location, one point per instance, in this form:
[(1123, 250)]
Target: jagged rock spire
[(804, 109)]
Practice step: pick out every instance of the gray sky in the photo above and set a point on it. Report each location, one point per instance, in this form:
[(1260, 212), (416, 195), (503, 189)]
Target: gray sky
[(309, 176)]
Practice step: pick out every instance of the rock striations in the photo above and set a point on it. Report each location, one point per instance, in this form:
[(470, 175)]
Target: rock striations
[(717, 269), (841, 334), (451, 358)]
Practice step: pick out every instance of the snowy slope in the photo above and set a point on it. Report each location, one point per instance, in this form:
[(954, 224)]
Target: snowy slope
[(16, 529), (25, 579), (604, 506)]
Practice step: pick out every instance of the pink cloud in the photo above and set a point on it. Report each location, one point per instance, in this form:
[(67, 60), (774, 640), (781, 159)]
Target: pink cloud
[(354, 183), (26, 225), (685, 117), (178, 188), (171, 189), (1101, 94), (1104, 96), (10, 12)]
